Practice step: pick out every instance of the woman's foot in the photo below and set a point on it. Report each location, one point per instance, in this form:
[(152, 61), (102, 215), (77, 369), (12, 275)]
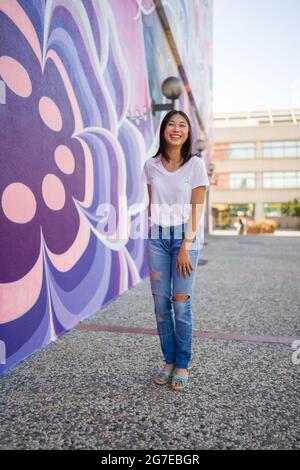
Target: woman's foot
[(180, 379), (164, 375)]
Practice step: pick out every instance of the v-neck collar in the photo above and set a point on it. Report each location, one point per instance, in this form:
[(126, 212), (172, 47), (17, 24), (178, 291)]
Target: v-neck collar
[(165, 170)]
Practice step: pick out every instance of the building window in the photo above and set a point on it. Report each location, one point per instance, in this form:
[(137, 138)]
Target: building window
[(281, 179), (242, 180), (224, 215), (281, 149), (284, 209), (241, 150), (272, 209)]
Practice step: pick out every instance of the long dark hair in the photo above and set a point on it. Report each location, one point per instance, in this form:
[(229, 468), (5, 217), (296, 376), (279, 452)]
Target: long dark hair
[(186, 148)]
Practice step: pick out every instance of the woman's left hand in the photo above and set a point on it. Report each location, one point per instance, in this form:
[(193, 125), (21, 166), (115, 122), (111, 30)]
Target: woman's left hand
[(183, 262)]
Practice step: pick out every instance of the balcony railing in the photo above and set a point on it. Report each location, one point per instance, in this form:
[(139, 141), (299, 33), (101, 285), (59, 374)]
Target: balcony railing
[(266, 180), (269, 150)]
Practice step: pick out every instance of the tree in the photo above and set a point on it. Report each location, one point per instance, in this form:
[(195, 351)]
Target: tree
[(291, 208)]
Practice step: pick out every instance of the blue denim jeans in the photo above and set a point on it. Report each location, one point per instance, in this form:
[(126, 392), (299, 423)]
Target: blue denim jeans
[(175, 330)]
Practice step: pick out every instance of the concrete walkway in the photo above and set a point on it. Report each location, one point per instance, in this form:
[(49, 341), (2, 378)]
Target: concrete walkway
[(277, 233), (92, 390)]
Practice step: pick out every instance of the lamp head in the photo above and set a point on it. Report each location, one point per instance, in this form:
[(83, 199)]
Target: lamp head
[(172, 88)]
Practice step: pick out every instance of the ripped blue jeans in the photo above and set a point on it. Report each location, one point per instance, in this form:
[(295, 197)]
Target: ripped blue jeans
[(175, 330)]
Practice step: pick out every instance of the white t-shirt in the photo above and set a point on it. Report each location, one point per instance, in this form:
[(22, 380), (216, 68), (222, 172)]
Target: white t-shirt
[(172, 190)]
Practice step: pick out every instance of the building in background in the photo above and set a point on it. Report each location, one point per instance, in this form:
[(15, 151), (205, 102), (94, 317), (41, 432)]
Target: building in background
[(256, 167), (77, 83)]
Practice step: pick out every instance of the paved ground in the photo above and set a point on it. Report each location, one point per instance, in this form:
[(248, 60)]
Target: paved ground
[(91, 389), (278, 232)]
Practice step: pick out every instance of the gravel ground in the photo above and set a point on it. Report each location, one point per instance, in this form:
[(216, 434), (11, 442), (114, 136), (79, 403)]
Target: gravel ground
[(92, 390), (250, 285)]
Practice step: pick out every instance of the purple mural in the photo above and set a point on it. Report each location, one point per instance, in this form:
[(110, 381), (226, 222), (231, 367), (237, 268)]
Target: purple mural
[(75, 129), (64, 151)]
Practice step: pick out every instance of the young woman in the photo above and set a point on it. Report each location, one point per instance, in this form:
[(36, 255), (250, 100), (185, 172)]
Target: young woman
[(177, 182)]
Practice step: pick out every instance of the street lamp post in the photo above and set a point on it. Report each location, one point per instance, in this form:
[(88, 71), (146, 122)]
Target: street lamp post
[(211, 169), (201, 145)]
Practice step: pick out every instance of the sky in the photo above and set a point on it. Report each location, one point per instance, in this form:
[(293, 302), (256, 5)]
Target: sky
[(256, 55)]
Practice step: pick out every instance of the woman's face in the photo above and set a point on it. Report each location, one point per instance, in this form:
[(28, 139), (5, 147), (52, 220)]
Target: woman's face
[(176, 131)]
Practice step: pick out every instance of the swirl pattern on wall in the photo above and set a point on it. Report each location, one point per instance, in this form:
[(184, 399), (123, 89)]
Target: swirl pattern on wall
[(68, 145)]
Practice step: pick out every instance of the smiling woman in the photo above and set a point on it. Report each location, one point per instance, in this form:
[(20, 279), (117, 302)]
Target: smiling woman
[(175, 144), (177, 182), (176, 131)]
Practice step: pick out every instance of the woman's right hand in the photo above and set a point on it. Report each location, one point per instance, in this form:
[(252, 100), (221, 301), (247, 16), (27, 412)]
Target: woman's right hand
[(183, 262)]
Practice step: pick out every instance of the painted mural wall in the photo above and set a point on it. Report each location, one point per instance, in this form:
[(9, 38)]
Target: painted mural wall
[(76, 81), (191, 25)]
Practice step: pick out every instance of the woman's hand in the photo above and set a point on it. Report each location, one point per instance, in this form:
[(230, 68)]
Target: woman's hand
[(183, 262)]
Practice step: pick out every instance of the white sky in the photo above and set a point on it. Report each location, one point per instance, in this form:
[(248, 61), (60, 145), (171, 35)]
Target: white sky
[(256, 55)]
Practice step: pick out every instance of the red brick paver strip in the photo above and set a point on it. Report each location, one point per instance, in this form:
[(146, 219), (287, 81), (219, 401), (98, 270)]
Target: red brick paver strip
[(196, 334)]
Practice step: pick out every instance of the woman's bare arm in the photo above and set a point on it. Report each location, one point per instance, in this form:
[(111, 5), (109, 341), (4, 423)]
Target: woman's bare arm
[(197, 202)]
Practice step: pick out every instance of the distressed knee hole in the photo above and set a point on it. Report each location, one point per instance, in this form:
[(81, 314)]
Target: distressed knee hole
[(180, 297), (155, 276), (159, 294)]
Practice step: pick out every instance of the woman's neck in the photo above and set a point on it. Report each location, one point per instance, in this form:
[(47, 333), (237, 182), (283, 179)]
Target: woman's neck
[(174, 154)]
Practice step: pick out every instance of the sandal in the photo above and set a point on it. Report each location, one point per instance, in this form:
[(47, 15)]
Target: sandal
[(162, 377), (184, 381)]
